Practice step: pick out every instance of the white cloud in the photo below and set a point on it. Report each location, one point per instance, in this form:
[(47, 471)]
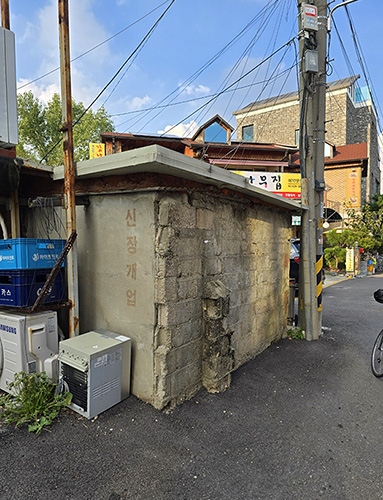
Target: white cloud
[(181, 130), (85, 32), (27, 34), (195, 89), (137, 103), (42, 92)]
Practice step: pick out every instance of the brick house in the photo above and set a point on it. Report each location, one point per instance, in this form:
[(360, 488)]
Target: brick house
[(344, 173), (350, 119)]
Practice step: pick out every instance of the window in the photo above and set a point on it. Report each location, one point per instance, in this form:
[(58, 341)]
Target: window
[(248, 133), (297, 136), (215, 133)]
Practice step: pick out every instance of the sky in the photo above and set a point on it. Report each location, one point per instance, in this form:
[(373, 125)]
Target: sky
[(197, 49)]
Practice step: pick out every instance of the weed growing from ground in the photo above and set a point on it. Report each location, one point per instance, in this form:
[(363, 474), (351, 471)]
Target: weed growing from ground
[(295, 333), (33, 400)]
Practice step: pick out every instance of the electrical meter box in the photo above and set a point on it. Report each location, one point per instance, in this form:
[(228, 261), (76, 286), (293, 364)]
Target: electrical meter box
[(28, 343), (309, 15), (95, 368), (311, 62)]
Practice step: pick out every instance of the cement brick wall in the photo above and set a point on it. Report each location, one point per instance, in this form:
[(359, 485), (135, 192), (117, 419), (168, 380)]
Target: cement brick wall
[(279, 125), (144, 263), (276, 126), (200, 239)]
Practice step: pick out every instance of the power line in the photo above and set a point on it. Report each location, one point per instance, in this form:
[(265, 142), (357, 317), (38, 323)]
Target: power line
[(234, 150), (362, 62), (95, 47), (231, 85), (263, 23), (146, 37), (197, 73), (186, 101)]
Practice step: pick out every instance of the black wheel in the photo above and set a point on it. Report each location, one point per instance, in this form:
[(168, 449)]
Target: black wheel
[(377, 356)]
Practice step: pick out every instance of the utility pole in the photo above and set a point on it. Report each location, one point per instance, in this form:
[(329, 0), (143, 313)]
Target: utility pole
[(312, 96), (69, 187)]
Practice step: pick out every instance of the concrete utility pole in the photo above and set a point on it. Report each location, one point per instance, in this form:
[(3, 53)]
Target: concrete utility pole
[(69, 188), (312, 96)]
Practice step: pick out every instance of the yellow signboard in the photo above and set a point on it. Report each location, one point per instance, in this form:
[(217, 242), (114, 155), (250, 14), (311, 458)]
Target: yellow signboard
[(287, 185), (96, 150)]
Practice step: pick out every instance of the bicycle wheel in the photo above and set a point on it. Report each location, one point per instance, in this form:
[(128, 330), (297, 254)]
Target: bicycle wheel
[(377, 356)]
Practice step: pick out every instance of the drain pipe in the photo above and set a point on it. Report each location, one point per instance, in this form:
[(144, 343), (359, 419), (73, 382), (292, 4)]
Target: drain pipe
[(3, 228)]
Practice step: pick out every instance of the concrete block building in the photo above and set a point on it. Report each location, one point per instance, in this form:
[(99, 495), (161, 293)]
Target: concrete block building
[(184, 257)]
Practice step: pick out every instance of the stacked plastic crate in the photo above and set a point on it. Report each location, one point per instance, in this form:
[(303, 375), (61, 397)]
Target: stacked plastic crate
[(25, 264)]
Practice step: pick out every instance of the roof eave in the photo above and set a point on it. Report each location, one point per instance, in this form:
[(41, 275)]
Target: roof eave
[(158, 159)]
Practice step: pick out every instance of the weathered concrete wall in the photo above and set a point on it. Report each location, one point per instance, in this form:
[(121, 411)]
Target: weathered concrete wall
[(116, 276), (201, 239), (199, 282)]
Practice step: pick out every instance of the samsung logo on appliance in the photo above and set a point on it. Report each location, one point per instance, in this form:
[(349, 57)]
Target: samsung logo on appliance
[(9, 329)]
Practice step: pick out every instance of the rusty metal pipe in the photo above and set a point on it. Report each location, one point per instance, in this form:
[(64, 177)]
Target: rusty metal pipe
[(5, 23), (69, 169)]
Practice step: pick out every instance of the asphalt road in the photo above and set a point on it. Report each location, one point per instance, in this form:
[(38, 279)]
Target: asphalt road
[(301, 421)]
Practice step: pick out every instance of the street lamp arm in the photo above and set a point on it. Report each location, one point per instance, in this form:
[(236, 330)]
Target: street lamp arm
[(334, 8)]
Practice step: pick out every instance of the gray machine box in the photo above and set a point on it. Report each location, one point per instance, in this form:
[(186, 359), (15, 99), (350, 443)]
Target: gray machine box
[(8, 95), (28, 343), (95, 367)]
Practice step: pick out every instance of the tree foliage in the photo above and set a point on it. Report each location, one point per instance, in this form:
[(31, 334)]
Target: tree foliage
[(364, 229), (368, 225), (336, 244), (40, 124)]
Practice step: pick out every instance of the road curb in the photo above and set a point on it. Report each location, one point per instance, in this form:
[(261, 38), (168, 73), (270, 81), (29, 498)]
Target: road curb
[(338, 281)]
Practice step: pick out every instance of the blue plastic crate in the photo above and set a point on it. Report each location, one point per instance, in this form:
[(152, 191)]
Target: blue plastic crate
[(29, 253), (21, 288)]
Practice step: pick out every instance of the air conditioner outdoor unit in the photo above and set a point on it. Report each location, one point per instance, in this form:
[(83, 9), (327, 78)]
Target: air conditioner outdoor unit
[(95, 367), (29, 343)]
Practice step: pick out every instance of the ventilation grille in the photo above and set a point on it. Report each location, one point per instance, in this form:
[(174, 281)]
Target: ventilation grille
[(107, 387), (78, 385)]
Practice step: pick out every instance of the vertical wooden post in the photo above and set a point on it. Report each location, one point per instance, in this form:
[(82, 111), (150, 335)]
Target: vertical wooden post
[(69, 174)]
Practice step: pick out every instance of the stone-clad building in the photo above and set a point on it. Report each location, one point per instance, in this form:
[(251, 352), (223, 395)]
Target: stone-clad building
[(350, 119)]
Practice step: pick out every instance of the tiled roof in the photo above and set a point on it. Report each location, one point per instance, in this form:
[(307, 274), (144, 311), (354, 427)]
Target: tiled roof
[(348, 153), (154, 139), (343, 154)]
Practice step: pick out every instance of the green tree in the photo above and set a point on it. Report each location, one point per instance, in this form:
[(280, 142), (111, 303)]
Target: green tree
[(336, 244), (39, 128), (364, 229), (368, 225)]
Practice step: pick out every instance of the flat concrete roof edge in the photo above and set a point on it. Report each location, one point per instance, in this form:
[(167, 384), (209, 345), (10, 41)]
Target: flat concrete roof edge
[(158, 159)]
